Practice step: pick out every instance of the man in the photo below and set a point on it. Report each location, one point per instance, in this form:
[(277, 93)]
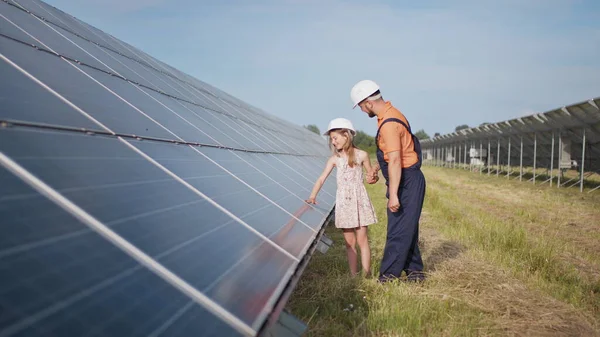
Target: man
[(399, 158)]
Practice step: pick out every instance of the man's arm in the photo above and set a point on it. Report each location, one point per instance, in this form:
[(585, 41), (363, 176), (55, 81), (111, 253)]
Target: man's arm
[(395, 172), (391, 133)]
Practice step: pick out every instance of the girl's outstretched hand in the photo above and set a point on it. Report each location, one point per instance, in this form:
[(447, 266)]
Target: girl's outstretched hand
[(311, 200)]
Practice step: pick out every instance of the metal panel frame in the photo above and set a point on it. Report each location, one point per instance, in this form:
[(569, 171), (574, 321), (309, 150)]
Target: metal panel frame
[(535, 135)]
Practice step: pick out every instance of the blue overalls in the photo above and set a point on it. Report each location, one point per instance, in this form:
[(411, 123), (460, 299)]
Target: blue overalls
[(401, 251)]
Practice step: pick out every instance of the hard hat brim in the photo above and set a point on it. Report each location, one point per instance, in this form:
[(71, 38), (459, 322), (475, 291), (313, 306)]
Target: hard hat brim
[(326, 133)]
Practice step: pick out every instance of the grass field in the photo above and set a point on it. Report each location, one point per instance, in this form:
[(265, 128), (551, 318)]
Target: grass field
[(503, 258)]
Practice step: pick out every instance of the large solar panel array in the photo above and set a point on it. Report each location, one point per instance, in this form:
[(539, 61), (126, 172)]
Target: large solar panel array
[(137, 200), (562, 138)]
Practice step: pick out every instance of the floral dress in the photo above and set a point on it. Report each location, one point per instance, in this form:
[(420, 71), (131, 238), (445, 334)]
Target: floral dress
[(353, 206)]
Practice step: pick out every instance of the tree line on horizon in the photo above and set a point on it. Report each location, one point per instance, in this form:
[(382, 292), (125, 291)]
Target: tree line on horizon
[(366, 142)]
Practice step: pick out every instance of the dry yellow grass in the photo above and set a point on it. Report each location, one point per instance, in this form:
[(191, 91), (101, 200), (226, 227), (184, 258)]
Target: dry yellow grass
[(492, 270), (568, 219)]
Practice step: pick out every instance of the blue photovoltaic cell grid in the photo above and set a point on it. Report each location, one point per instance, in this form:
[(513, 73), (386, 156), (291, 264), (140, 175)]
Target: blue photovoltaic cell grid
[(76, 283), (231, 224)]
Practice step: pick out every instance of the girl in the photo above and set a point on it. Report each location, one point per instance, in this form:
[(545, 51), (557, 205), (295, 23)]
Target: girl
[(353, 210)]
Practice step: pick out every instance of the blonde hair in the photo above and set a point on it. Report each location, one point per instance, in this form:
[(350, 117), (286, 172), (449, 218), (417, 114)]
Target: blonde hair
[(348, 147)]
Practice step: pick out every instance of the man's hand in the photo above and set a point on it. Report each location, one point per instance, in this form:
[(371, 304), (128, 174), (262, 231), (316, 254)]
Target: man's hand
[(312, 200), (393, 203)]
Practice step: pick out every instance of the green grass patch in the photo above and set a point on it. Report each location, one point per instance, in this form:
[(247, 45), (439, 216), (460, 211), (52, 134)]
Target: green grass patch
[(508, 244), (326, 292), (335, 304), (487, 273)]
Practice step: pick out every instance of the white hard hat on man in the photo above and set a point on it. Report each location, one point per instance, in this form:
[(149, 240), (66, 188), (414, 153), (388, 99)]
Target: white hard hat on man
[(363, 90), (360, 91)]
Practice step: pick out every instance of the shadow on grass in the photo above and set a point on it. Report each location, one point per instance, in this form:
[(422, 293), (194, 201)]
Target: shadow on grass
[(445, 251)]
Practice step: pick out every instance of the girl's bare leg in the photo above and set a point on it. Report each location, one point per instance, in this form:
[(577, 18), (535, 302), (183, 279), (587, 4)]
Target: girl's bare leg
[(365, 251), (350, 239)]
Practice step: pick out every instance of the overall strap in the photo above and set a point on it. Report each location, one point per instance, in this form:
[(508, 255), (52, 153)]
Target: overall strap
[(416, 143), (392, 120)]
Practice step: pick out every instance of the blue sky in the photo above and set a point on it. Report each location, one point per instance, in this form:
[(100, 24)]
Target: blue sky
[(443, 63)]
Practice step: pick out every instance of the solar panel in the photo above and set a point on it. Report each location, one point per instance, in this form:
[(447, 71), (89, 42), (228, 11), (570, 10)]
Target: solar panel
[(82, 285), (550, 140), (569, 122), (138, 200)]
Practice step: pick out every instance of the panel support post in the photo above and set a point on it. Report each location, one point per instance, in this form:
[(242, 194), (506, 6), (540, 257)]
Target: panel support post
[(498, 159), (459, 155), (489, 157), (465, 154), (480, 158), (508, 159), (445, 156), (471, 166), (287, 325), (582, 161), (521, 161), (453, 156), (324, 244), (534, 155), (559, 159), (552, 161)]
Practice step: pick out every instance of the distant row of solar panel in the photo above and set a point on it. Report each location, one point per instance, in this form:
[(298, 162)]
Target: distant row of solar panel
[(571, 127), (111, 227)]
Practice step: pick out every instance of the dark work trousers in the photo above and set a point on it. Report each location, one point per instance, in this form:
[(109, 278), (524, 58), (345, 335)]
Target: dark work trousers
[(401, 252)]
